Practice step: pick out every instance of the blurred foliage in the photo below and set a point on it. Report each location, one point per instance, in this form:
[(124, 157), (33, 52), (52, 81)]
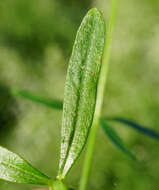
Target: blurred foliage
[(36, 38), (8, 111), (30, 26)]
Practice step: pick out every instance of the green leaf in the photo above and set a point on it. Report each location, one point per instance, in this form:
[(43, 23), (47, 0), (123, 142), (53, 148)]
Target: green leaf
[(56, 104), (116, 140), (81, 88), (142, 129), (14, 169)]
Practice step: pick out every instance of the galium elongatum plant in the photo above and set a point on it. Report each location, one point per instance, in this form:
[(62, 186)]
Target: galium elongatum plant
[(78, 110)]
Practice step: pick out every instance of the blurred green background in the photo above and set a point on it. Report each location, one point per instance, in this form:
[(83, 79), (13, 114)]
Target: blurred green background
[(36, 39)]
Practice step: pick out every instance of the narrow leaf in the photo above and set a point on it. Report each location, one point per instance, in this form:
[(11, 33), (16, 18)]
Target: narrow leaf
[(81, 88), (116, 140), (14, 169), (56, 104), (138, 127)]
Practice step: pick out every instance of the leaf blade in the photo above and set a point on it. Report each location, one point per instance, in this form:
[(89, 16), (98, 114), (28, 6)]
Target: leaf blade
[(53, 103), (80, 88), (140, 128), (115, 138), (15, 169)]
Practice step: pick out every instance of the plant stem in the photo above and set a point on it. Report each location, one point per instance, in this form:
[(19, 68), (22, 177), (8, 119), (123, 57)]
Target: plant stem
[(99, 102), (57, 185)]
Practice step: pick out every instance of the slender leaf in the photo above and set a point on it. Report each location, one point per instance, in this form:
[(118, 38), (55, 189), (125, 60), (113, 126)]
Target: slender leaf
[(14, 169), (116, 140), (56, 104), (81, 88), (138, 127)]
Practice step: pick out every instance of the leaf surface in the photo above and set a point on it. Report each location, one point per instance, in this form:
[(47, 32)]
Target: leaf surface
[(15, 169), (81, 88)]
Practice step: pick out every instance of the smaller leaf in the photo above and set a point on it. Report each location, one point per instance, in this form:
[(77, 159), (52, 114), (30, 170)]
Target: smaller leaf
[(56, 104), (14, 169), (140, 128), (116, 140)]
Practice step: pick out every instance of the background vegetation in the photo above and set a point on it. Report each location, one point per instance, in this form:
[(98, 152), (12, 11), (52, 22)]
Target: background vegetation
[(36, 38)]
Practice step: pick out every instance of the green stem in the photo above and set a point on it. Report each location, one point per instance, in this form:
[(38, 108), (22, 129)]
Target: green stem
[(51, 185), (57, 185), (99, 102)]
